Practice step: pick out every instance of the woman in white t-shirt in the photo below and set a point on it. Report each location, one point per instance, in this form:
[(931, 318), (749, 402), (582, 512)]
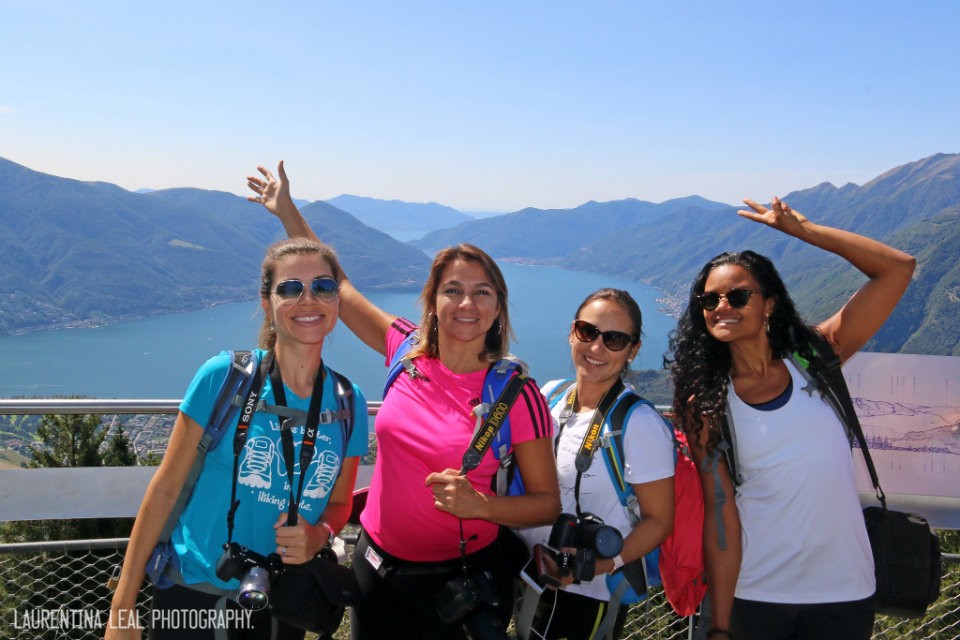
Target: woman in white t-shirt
[(789, 557), (604, 339)]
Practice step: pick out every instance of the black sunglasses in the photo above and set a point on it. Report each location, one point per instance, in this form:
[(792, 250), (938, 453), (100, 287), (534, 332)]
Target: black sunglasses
[(736, 298), (322, 288), (612, 340)]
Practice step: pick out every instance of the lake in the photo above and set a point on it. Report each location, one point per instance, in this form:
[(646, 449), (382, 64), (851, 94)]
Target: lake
[(157, 357)]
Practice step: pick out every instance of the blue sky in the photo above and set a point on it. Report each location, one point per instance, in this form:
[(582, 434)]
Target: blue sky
[(486, 105)]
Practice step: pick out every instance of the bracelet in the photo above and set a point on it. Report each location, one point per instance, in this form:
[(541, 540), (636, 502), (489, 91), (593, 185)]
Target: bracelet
[(333, 534), (716, 631), (617, 563)]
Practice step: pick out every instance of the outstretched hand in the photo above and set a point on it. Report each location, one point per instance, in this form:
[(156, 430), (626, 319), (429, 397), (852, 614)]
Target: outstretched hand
[(780, 216), (271, 192)]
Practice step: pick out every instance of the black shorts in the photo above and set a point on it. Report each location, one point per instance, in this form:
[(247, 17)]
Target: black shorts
[(752, 620)]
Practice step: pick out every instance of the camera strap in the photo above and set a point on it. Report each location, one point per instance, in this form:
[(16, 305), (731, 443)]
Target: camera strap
[(308, 445), (591, 439), (483, 435), (485, 431), (269, 369), (247, 410)]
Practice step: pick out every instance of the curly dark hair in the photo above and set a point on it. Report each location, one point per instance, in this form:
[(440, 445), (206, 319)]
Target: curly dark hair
[(700, 364)]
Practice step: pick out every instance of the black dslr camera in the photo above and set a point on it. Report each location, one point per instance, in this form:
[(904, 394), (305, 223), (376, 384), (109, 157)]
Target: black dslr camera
[(254, 572), (590, 537), (472, 600)]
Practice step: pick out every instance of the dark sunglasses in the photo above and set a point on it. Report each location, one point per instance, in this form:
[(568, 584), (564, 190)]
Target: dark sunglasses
[(612, 340), (736, 298), (322, 288)]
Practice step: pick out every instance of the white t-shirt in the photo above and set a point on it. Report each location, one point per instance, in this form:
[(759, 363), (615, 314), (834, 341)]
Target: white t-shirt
[(648, 456), (803, 535)]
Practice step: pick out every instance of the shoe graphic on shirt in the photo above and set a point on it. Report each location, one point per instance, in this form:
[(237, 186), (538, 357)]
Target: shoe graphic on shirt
[(323, 479), (255, 466)]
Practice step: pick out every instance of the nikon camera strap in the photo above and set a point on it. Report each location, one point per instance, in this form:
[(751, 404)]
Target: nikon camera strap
[(591, 439), (487, 428)]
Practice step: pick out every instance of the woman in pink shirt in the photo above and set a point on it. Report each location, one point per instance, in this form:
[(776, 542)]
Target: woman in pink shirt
[(429, 529)]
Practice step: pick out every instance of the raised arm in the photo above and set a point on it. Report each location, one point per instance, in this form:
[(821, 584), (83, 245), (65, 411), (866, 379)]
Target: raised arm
[(368, 321), (889, 271)]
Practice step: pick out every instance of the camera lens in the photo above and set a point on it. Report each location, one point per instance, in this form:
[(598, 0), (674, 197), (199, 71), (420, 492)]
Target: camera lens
[(603, 539), (608, 542), (254, 591)]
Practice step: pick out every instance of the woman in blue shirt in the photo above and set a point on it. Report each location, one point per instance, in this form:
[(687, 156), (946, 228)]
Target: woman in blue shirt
[(300, 298)]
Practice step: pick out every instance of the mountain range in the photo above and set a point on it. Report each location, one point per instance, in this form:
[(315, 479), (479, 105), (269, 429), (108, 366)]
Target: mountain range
[(914, 207), (74, 253), (80, 253)]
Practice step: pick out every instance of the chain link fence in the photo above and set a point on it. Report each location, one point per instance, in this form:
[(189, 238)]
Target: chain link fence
[(58, 591)]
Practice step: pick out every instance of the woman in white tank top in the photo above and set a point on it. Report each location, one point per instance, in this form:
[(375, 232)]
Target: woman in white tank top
[(789, 556)]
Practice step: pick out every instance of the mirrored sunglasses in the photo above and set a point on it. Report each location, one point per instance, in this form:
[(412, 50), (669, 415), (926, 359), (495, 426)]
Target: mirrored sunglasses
[(612, 340), (736, 298), (322, 288)]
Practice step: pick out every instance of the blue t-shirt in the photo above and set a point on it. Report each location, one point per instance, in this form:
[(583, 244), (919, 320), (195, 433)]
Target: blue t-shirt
[(262, 486)]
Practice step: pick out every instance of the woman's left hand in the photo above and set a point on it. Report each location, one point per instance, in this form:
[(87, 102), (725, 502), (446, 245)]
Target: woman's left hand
[(454, 494), (298, 543), (272, 193), (780, 216)]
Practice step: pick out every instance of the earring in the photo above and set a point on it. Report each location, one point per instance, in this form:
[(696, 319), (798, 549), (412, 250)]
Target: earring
[(766, 323), (273, 327)]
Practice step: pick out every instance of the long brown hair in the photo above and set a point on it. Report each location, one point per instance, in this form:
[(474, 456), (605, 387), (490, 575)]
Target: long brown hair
[(277, 252), (497, 341)]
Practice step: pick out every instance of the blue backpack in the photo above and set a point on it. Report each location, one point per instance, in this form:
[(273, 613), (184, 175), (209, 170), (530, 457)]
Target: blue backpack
[(496, 389)]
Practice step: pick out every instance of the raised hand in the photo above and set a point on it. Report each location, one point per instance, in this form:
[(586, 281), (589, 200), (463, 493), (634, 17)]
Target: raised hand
[(271, 192), (780, 216)]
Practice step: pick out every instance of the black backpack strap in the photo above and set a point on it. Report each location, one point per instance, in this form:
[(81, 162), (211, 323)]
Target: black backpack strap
[(838, 397)]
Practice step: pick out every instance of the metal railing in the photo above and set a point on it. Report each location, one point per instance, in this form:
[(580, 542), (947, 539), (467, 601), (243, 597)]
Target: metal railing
[(59, 589)]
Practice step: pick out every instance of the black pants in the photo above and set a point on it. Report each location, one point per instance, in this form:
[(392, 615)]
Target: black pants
[(402, 603), (751, 620), (180, 613), (561, 614)]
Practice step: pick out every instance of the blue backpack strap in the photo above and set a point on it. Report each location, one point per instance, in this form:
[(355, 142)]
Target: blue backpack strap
[(346, 411), (233, 392), (557, 391), (613, 454), (507, 480), (226, 409), (493, 385), (400, 362), (613, 457)]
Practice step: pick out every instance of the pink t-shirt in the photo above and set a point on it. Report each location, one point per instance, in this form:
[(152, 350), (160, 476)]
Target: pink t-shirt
[(425, 425)]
